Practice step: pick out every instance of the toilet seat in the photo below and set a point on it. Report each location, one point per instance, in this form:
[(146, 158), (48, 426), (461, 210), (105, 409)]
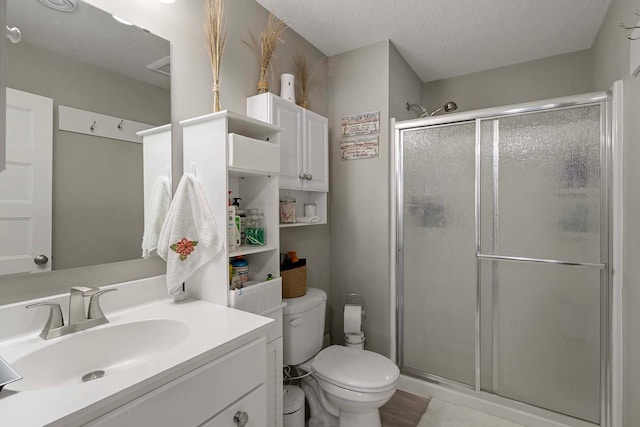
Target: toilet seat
[(357, 370)]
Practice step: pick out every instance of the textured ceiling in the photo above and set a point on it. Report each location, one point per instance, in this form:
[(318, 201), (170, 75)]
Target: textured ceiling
[(90, 35), (447, 38)]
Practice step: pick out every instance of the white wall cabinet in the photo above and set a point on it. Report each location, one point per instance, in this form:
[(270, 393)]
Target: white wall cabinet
[(304, 150)]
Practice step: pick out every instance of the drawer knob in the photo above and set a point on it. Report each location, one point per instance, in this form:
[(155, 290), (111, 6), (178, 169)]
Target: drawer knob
[(309, 177), (241, 418)]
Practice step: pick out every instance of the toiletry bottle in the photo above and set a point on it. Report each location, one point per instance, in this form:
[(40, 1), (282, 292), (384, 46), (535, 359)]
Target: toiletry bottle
[(241, 267), (232, 239), (240, 218)]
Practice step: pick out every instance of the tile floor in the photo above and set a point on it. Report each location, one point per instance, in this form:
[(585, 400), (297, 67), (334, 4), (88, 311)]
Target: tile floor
[(403, 410)]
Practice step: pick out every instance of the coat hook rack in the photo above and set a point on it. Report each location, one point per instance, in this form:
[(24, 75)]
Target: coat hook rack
[(93, 126), (625, 27), (121, 125)]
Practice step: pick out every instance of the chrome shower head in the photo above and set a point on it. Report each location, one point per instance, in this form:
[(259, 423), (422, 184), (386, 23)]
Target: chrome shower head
[(448, 107), (422, 112)]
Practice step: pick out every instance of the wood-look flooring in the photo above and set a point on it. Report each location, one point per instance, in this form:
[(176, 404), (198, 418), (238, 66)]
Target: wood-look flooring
[(403, 410)]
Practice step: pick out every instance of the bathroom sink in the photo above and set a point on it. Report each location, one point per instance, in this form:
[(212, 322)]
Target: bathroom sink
[(96, 353)]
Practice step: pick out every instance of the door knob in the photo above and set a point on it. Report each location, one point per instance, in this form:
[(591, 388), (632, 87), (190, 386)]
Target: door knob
[(241, 419), (40, 259)]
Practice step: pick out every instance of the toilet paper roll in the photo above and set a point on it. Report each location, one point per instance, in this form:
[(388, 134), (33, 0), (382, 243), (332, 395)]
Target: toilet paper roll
[(352, 318)]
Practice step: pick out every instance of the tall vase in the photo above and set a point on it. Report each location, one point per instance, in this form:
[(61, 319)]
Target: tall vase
[(287, 90), (263, 84), (216, 96)]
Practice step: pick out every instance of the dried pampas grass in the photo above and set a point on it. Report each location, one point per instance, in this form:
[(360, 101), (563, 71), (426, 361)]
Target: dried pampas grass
[(306, 78), (265, 48), (215, 39)]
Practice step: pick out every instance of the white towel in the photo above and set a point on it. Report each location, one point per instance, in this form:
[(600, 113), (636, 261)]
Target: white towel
[(189, 236), (157, 209)]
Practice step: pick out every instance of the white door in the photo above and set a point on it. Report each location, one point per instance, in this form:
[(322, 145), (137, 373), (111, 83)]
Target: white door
[(316, 152), (289, 117), (25, 185)]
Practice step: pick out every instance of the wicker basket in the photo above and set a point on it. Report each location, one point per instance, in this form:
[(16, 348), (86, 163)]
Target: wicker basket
[(294, 282)]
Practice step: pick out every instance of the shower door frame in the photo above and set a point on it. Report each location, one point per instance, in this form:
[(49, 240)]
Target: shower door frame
[(610, 130)]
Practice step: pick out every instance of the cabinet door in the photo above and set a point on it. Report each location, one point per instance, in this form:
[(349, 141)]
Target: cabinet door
[(251, 407), (316, 152), (289, 117)]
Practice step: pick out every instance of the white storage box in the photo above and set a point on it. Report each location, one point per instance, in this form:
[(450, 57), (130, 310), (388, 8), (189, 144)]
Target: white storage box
[(253, 154), (257, 298)]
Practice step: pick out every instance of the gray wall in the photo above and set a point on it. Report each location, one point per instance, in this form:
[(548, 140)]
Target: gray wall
[(181, 24), (529, 81), (610, 62), (97, 182), (404, 86), (359, 83)]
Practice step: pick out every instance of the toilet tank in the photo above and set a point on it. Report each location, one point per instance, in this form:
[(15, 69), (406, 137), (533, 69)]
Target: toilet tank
[(303, 326)]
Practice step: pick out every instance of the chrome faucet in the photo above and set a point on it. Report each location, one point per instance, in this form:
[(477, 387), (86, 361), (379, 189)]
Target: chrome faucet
[(79, 319)]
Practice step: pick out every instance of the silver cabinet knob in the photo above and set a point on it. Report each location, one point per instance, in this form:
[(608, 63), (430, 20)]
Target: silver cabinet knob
[(41, 259), (309, 177), (241, 419), (302, 175)]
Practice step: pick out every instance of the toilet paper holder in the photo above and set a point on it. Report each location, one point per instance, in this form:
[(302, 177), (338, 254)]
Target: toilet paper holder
[(355, 299)]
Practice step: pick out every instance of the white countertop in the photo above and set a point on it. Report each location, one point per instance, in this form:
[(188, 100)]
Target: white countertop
[(213, 331)]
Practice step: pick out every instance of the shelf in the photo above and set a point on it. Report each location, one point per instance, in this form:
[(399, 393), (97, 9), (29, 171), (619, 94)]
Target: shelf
[(302, 224), (248, 250), (241, 173)]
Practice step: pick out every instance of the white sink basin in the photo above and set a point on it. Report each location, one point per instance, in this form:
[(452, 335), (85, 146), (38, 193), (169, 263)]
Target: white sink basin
[(109, 350), (144, 347)]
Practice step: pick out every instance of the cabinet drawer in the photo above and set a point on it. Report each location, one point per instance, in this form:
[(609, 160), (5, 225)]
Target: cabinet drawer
[(252, 404), (195, 397), (253, 154)]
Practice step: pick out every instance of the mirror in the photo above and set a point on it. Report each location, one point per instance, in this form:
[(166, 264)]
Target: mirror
[(87, 60)]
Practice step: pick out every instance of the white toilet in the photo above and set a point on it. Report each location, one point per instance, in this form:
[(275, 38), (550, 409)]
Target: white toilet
[(347, 386)]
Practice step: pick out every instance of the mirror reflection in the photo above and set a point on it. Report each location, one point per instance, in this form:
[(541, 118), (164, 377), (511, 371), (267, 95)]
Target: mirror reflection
[(80, 85)]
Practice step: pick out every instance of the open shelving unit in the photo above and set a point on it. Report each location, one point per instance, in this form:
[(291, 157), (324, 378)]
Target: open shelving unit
[(228, 151)]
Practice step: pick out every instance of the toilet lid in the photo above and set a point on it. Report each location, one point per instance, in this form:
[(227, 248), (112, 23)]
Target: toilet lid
[(355, 369)]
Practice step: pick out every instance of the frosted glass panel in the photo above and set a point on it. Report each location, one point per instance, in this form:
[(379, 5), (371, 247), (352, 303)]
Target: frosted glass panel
[(546, 335), (540, 180), (439, 251)]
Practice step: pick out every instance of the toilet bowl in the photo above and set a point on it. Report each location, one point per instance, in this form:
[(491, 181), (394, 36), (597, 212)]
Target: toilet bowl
[(348, 383)]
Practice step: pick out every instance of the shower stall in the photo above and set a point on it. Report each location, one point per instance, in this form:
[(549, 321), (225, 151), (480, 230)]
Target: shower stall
[(503, 252)]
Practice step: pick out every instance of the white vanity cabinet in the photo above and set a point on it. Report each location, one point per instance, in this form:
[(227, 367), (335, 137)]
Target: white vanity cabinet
[(217, 394), (304, 150)]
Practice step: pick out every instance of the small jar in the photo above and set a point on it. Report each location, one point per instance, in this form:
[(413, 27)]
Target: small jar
[(287, 209), (254, 233)]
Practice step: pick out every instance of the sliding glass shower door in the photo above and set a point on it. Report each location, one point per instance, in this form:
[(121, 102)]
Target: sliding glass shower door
[(439, 251), (503, 247)]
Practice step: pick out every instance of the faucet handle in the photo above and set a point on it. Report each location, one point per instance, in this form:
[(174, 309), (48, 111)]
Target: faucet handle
[(85, 291), (95, 311), (55, 317)]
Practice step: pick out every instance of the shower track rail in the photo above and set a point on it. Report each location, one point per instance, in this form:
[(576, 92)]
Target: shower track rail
[(541, 261)]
